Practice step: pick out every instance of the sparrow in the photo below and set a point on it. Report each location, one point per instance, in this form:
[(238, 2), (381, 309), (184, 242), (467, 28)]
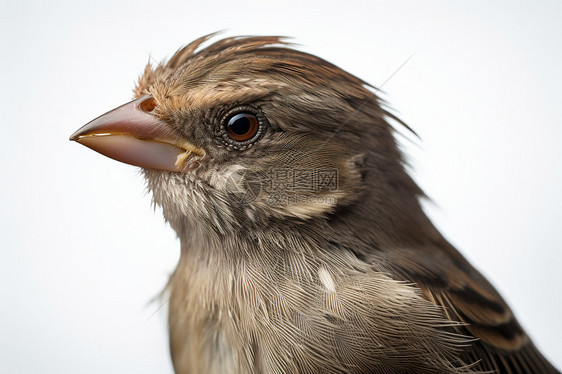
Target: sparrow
[(304, 247)]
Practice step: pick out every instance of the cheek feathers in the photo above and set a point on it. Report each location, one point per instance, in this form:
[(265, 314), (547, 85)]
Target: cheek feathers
[(304, 177)]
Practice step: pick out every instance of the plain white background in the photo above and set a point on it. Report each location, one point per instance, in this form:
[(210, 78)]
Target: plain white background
[(82, 253)]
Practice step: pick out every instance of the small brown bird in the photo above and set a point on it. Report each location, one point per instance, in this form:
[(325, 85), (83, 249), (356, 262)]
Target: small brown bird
[(304, 248)]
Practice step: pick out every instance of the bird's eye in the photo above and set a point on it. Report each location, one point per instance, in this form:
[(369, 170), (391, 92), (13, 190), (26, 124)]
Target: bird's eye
[(242, 126)]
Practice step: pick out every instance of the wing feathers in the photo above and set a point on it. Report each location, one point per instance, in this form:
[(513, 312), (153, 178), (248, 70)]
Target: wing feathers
[(447, 279)]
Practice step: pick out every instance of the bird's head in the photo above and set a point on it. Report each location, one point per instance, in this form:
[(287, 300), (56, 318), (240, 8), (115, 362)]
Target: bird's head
[(249, 131)]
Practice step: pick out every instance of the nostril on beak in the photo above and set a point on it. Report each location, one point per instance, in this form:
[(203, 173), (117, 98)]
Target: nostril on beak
[(148, 105)]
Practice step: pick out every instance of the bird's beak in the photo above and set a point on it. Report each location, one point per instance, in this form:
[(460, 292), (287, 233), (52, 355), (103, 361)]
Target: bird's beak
[(132, 135)]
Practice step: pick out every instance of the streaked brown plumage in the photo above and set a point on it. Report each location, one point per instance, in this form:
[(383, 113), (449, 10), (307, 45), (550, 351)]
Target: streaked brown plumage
[(346, 279)]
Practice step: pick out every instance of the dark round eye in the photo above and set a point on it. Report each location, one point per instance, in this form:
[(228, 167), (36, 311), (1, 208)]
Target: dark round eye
[(242, 126)]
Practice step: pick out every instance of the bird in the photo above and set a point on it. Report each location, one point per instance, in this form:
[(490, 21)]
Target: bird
[(304, 245)]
